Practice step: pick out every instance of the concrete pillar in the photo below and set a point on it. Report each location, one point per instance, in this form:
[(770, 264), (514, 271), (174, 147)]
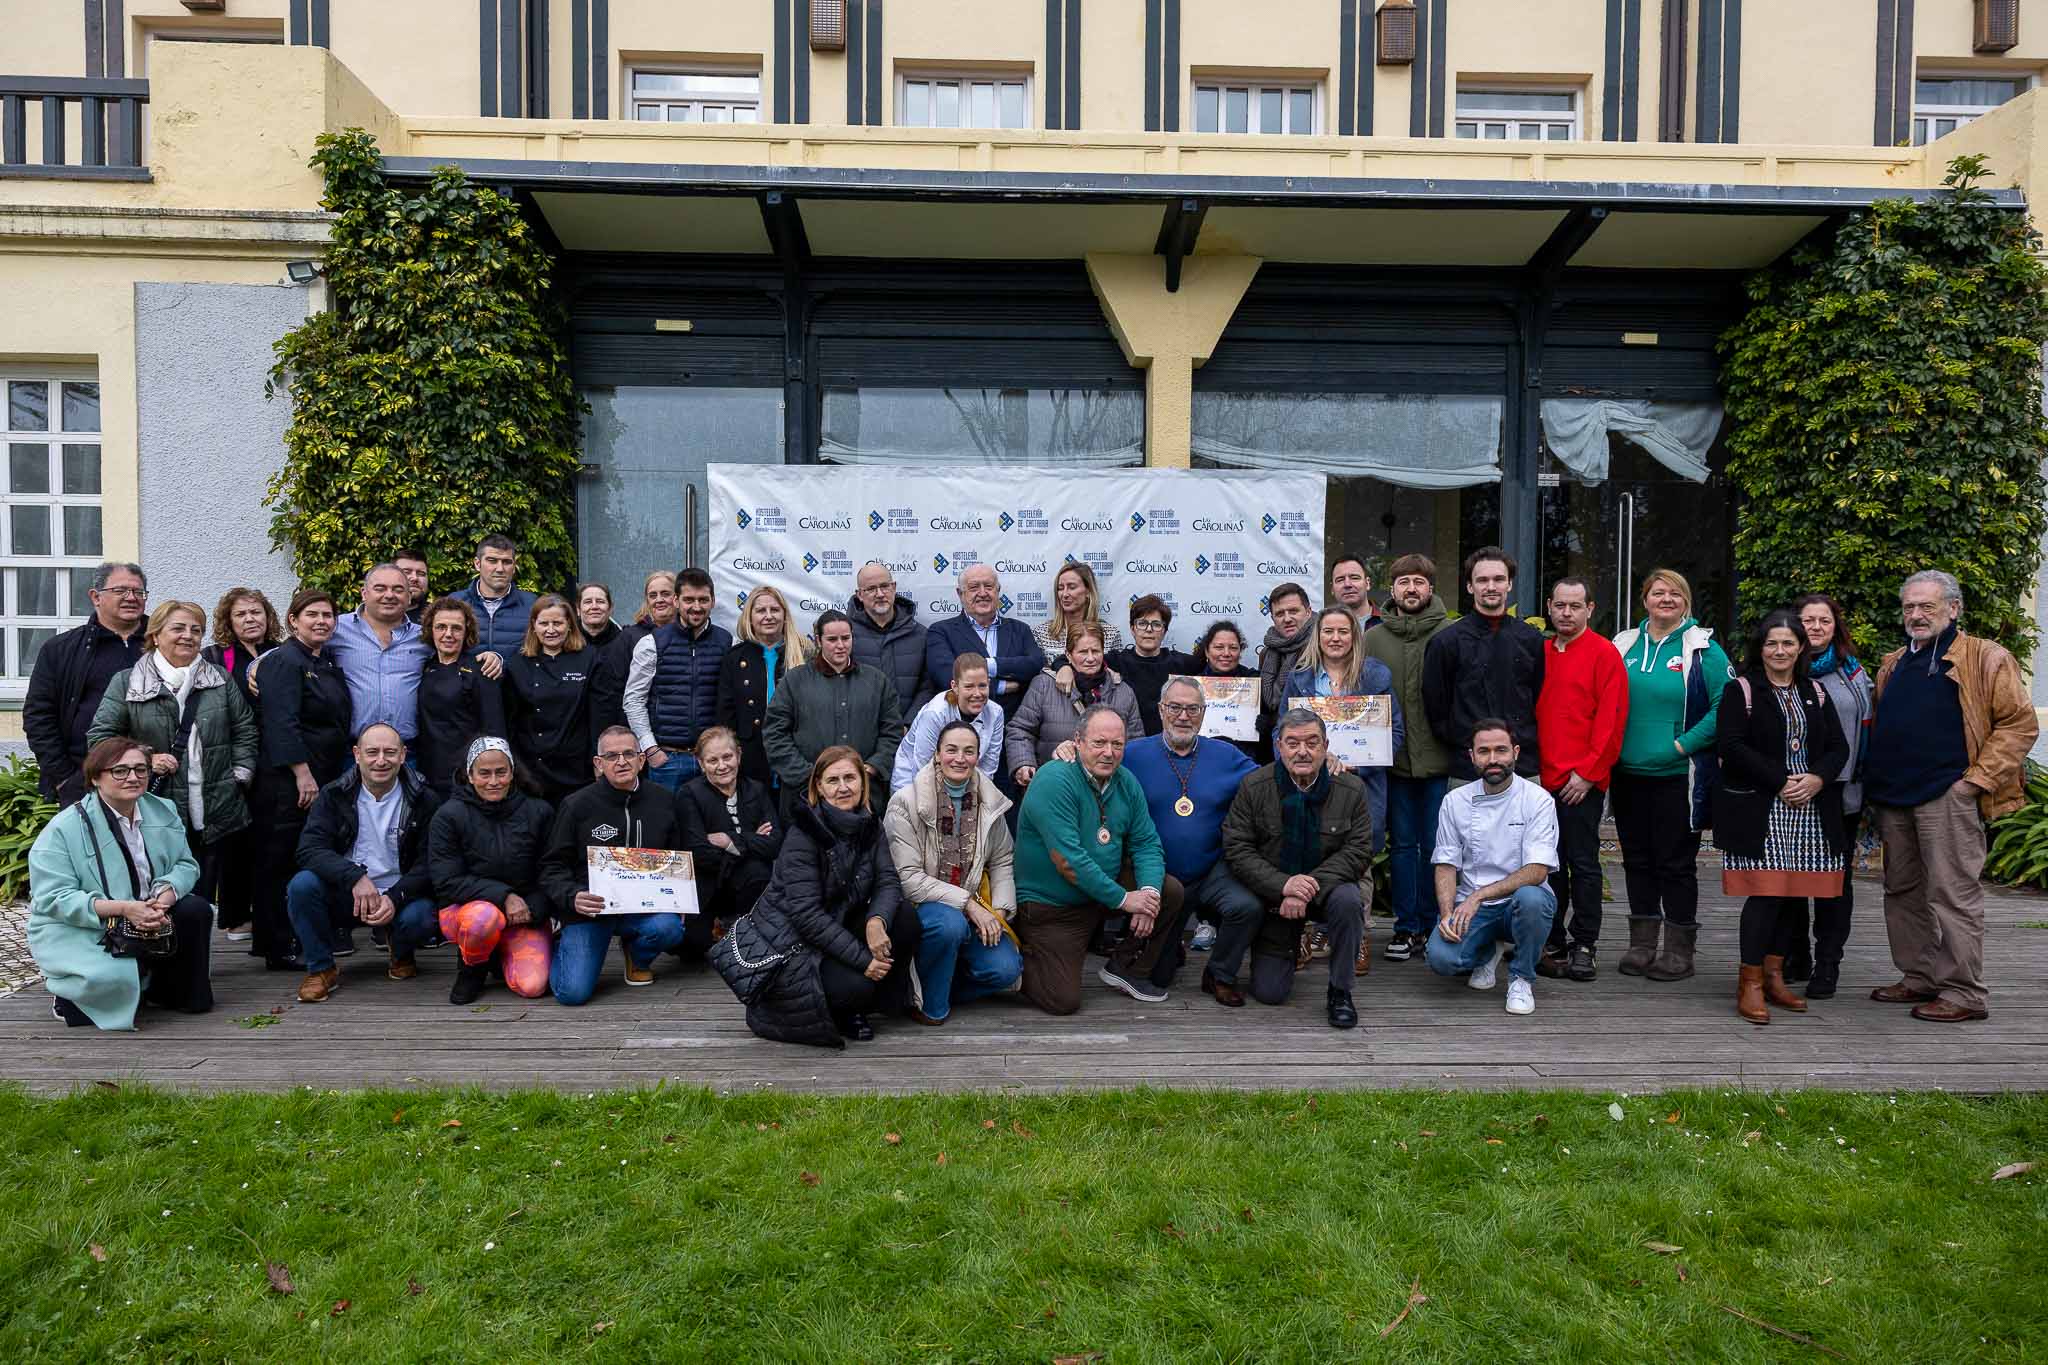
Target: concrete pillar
[(1168, 334)]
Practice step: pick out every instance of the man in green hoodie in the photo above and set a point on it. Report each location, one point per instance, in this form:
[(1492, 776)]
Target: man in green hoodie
[(1415, 786)]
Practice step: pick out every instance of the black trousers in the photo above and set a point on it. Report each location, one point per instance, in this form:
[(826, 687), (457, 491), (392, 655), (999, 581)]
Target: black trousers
[(279, 822), (1770, 927), (235, 864), (1831, 916), (1577, 881), (1659, 847), (182, 981), (850, 992)]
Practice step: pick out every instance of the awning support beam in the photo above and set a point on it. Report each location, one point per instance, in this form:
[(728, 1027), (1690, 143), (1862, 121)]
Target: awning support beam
[(1179, 228), (784, 223)]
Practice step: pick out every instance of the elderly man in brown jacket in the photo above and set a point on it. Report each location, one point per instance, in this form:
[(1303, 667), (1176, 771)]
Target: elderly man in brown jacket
[(1949, 740)]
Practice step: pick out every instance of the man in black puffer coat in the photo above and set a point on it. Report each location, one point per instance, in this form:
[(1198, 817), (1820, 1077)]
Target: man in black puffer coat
[(888, 636), (1485, 664)]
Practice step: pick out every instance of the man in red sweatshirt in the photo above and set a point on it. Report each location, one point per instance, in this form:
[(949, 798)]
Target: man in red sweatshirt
[(1580, 716)]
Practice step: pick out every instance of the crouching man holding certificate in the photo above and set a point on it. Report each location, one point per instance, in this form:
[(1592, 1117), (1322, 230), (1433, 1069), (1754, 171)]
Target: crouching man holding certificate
[(617, 811)]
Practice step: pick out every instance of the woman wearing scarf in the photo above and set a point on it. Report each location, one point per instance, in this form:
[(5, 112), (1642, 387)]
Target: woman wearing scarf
[(201, 734), (1046, 722), (750, 672), (484, 851), (1835, 667), (956, 861), (966, 701)]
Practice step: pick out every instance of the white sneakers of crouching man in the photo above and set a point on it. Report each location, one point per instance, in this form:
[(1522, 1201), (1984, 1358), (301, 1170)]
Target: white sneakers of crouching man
[(1521, 994)]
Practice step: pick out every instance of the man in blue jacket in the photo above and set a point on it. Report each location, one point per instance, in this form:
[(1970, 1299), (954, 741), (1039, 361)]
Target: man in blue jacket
[(501, 607), (672, 685), (1013, 655)]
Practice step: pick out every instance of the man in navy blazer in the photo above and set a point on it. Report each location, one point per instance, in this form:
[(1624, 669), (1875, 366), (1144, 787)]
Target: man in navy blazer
[(1013, 655)]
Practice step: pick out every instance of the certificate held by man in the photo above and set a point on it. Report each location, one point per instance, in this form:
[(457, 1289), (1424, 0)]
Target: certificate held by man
[(1361, 728), (1230, 706), (643, 881)]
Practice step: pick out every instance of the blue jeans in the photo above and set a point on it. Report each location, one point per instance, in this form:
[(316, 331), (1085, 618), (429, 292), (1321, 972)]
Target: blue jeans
[(679, 769), (1524, 917), (1412, 807), (950, 945), (322, 916), (580, 950)]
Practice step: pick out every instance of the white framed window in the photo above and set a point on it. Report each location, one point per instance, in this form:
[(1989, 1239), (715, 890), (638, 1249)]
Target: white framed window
[(926, 100), (50, 537), (1525, 115), (1943, 103), (1226, 106), (702, 96)]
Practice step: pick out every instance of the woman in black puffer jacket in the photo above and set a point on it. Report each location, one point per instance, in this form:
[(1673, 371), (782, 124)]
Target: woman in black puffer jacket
[(834, 906), (484, 853)]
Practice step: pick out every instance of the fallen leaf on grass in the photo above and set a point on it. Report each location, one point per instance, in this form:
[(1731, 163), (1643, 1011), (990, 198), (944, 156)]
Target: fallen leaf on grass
[(1781, 1114), (1540, 1122), (340, 1307), (1051, 1312), (1428, 1132), (1017, 1127), (1773, 1327), (1825, 1283), (893, 1139), (988, 1123), (1753, 1136), (1672, 1117), (598, 1329), (808, 1177), (1085, 1358), (97, 1252), (1614, 1112), (397, 1114), (2008, 1172), (280, 1278), (1683, 1278), (413, 1288), (1494, 1142), (452, 1123), (941, 1159), (1245, 1213), (1415, 1298), (1402, 1145), (1663, 1248), (1171, 1231)]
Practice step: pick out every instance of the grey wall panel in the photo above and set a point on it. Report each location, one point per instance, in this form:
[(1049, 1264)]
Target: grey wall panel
[(207, 440)]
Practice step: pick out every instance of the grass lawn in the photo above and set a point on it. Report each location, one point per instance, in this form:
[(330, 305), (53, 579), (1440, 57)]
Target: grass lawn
[(1143, 1225)]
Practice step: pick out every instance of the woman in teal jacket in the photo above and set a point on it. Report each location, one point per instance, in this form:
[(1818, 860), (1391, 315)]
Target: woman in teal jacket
[(118, 854)]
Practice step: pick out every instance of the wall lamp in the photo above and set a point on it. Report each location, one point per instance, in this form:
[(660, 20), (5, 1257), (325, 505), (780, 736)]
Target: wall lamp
[(304, 272)]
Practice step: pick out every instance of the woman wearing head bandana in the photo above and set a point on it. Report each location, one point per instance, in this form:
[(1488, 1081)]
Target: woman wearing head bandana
[(484, 852)]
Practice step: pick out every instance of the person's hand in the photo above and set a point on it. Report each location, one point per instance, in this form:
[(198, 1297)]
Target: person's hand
[(723, 841), (381, 913), (1065, 751), (363, 897), (1799, 790), (987, 927), (1965, 787), (1300, 887), (1293, 907), (1023, 777), (655, 755), (163, 765), (1143, 901), (490, 664), (877, 969), (308, 789), (1334, 763), (1574, 790), (1454, 924), (589, 904), (144, 915), (767, 829), (1064, 679), (516, 910)]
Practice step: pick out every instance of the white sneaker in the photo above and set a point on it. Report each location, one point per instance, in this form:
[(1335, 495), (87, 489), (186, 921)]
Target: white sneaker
[(1483, 977), (1521, 997), (237, 935)]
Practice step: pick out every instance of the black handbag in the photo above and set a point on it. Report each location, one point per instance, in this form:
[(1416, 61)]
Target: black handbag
[(746, 959), (123, 939)]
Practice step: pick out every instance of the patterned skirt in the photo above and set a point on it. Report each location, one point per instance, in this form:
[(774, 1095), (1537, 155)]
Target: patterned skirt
[(1797, 861)]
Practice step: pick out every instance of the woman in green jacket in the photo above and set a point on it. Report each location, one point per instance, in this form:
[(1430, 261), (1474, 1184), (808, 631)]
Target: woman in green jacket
[(117, 854), (1659, 795), (200, 767)]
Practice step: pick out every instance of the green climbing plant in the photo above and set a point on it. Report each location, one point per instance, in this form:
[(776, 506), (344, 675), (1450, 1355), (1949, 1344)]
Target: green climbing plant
[(432, 405), (1884, 406)]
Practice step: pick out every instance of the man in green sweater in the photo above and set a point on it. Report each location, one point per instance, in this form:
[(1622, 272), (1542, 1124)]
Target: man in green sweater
[(1086, 849)]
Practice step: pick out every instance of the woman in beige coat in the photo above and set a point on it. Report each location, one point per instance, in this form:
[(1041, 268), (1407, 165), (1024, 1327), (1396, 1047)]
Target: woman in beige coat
[(955, 860)]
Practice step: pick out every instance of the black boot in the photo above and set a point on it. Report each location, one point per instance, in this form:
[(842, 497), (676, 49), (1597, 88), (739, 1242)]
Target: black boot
[(1826, 978), (469, 983), (1343, 1014), (854, 1026)]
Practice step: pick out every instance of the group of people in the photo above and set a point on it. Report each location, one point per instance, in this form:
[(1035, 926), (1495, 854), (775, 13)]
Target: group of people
[(899, 818)]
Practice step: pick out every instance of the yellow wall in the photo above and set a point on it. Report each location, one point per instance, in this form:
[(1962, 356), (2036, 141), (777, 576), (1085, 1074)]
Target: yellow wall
[(1802, 51), (1553, 42), (964, 37)]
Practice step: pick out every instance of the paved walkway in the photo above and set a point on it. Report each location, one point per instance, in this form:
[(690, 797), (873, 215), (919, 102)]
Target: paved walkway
[(1617, 1033)]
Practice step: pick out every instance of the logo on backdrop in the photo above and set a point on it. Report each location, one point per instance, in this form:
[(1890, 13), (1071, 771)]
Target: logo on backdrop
[(1087, 524), (1155, 566), (825, 523), (1005, 603), (1159, 521), (761, 520), (829, 563), (1022, 566), (1276, 569), (748, 564), (1211, 524), (897, 521), (1265, 605), (1026, 521), (1202, 607), (1283, 523)]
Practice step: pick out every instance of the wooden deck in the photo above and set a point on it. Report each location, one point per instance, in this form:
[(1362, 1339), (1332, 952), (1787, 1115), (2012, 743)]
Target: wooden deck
[(1416, 1030)]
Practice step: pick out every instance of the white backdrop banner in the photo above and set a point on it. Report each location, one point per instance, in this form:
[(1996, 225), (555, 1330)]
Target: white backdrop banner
[(1212, 544)]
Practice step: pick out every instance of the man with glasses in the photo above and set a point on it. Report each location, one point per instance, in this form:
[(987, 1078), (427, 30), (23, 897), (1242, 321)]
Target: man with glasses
[(617, 810), (71, 672), (1189, 782), (888, 636), (1948, 746)]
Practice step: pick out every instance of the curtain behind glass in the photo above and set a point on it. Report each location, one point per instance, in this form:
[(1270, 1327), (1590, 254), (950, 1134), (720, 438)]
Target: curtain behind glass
[(1089, 428), (1416, 441), (1676, 435)]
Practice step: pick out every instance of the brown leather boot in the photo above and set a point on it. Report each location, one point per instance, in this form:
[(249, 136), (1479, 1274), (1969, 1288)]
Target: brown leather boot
[(1749, 996), (1775, 989)]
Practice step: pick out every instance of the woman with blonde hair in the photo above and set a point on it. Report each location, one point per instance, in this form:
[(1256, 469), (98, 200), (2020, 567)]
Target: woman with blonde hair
[(967, 701), (765, 647), (547, 699), (614, 661), (1076, 601)]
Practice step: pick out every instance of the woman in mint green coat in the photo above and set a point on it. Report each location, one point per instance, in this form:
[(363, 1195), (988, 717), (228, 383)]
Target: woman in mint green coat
[(119, 853)]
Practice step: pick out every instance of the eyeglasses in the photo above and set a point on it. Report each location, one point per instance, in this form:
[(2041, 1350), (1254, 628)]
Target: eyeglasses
[(1174, 708), (128, 770), (617, 758), (877, 587), (1148, 625), (124, 592)]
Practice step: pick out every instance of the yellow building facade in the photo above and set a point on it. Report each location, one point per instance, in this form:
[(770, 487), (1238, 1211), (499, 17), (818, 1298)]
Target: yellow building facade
[(1467, 257)]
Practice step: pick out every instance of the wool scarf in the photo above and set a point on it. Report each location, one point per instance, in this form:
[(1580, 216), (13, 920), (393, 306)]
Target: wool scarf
[(1301, 818)]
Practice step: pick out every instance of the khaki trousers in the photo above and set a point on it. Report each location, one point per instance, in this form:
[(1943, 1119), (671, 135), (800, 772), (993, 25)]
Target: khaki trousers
[(1055, 943), (1933, 899)]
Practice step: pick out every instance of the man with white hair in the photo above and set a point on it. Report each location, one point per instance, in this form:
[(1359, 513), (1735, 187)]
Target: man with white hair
[(1948, 744), (1013, 655)]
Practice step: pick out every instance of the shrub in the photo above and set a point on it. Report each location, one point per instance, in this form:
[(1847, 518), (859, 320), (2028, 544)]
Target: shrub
[(2018, 855), (23, 812), (433, 405), (1884, 404)]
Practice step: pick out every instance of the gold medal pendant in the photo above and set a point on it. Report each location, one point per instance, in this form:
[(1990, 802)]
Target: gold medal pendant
[(1102, 835), (1184, 808)]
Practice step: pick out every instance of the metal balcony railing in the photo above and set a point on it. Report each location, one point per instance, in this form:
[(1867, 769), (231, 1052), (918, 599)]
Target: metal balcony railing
[(100, 117)]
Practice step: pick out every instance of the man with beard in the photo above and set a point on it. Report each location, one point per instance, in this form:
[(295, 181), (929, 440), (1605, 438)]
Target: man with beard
[(1496, 846), (1280, 652), (1485, 664), (672, 683), (1416, 782), (887, 635)]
